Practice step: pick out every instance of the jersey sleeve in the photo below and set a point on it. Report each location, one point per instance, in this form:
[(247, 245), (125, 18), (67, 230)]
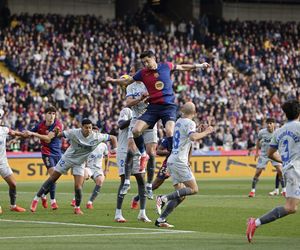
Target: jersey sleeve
[(138, 76), (35, 128), (69, 134), (129, 91), (105, 150), (125, 115), (103, 137), (191, 128), (6, 130), (59, 126), (259, 136), (171, 66)]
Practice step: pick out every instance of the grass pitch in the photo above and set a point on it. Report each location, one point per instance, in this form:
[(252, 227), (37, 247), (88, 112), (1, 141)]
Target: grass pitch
[(213, 219)]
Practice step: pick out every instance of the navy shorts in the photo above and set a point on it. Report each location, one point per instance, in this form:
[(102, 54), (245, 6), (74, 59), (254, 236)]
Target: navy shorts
[(163, 173), (156, 112), (50, 161)]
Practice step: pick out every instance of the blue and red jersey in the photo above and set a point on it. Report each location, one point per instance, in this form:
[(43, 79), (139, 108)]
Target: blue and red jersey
[(54, 147), (158, 83)]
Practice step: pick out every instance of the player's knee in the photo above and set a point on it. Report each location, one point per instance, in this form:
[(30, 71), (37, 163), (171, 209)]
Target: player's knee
[(195, 190), (291, 209), (136, 132), (12, 185), (169, 132)]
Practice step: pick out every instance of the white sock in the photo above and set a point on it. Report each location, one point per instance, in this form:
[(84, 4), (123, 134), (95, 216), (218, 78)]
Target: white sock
[(36, 198), (257, 222), (164, 198), (142, 212), (144, 154), (277, 190), (12, 206), (43, 195), (161, 219), (90, 202), (118, 212), (77, 207), (53, 201), (284, 189), (253, 190), (149, 185), (127, 182)]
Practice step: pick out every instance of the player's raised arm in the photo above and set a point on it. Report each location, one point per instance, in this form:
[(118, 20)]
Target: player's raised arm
[(187, 67), (197, 136), (46, 138), (114, 143), (123, 80)]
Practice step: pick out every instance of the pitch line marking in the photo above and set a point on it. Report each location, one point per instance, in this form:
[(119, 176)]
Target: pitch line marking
[(96, 226)]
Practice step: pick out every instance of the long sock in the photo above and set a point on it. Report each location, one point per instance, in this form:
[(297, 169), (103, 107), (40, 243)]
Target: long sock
[(95, 193), (12, 196), (120, 198), (44, 188), (78, 196), (136, 198), (277, 181), (170, 207), (179, 193), (282, 182), (150, 168), (52, 191), (254, 182), (274, 214), (139, 142), (128, 164), (141, 190), (170, 143)]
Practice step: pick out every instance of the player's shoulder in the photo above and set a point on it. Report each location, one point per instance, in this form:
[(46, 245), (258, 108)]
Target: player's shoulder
[(4, 129)]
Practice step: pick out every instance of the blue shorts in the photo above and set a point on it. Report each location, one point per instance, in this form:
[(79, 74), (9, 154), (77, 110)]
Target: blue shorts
[(50, 161), (156, 112)]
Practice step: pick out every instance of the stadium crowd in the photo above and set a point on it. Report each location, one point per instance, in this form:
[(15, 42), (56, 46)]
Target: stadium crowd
[(65, 60)]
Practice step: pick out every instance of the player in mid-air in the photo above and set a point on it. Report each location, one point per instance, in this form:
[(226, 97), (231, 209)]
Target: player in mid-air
[(51, 152), (83, 142), (162, 175), (123, 123), (136, 100), (178, 163), (5, 170), (263, 142), (157, 80), (286, 140), (95, 170)]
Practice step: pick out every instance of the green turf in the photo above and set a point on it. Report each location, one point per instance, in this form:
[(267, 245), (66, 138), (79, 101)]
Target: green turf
[(217, 216)]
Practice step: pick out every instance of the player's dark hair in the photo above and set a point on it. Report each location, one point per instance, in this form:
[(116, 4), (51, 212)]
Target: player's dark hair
[(86, 121), (148, 53), (270, 120), (95, 127), (50, 109), (291, 108)]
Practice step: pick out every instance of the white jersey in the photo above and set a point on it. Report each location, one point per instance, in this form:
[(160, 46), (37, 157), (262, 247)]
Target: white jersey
[(264, 137), (136, 90), (181, 141), (125, 115), (80, 146), (3, 134), (287, 140), (94, 160)]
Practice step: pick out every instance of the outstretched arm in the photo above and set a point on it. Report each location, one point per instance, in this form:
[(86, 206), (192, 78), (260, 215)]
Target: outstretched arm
[(130, 101), (123, 81), (46, 138), (274, 155), (197, 136), (187, 67)]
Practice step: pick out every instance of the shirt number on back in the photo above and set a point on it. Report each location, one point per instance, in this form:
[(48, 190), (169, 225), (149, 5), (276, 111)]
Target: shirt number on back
[(176, 139), (285, 155)]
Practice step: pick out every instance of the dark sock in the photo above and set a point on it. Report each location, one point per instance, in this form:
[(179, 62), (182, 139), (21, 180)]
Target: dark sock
[(254, 182), (277, 181), (120, 197), (78, 196), (274, 214), (95, 193), (52, 191), (179, 193), (45, 187), (282, 182), (128, 164), (150, 168), (12, 196), (170, 207), (136, 198), (141, 190), (139, 142), (170, 143)]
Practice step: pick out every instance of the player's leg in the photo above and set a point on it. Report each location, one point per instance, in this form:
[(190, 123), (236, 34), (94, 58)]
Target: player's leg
[(137, 131), (161, 176), (292, 201), (255, 179), (172, 204), (99, 180), (280, 179), (140, 179), (168, 117), (169, 127), (11, 181), (44, 188), (118, 214), (78, 182)]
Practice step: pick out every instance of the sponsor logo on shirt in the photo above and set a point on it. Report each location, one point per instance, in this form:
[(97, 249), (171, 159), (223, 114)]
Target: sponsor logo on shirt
[(159, 85)]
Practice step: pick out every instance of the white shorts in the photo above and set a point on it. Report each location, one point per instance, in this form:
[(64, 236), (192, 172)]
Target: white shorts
[(95, 171), (121, 157), (263, 161), (63, 166), (149, 135), (5, 170), (292, 182), (180, 172)]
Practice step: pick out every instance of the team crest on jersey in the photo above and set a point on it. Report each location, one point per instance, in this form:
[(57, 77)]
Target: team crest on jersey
[(156, 75), (159, 85)]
